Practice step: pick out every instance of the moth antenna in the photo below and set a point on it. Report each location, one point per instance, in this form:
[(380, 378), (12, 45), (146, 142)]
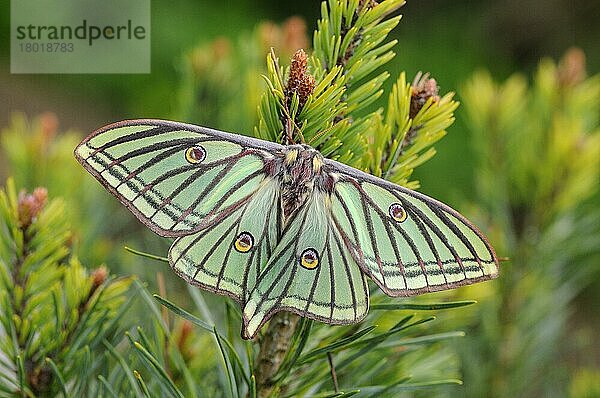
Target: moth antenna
[(320, 134)]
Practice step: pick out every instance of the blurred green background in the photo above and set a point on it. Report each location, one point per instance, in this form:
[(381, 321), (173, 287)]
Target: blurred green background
[(450, 39)]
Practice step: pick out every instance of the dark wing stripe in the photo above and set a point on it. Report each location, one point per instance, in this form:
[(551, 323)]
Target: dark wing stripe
[(420, 215), (457, 232), (158, 126), (414, 248), (419, 219), (370, 229), (319, 304), (237, 231), (439, 210), (262, 276), (183, 169), (213, 185), (365, 286), (265, 235), (210, 251), (221, 215), (443, 235), (391, 235), (279, 225), (192, 178), (152, 131), (113, 171), (294, 266), (131, 158), (179, 143), (157, 145), (208, 272), (419, 222), (256, 254), (348, 274), (331, 277), (230, 192), (219, 257), (406, 237), (318, 273), (280, 274), (225, 214), (157, 158), (283, 270), (161, 207), (352, 226), (184, 185), (165, 176)]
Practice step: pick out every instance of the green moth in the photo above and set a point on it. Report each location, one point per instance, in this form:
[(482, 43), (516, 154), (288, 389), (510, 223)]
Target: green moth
[(281, 227)]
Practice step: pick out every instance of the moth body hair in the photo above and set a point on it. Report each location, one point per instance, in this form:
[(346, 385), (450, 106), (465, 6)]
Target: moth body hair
[(317, 163), (291, 155)]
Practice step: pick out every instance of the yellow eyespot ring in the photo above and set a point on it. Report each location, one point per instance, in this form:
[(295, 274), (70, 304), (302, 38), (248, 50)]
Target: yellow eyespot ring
[(195, 154), (397, 212), (244, 242), (309, 259)]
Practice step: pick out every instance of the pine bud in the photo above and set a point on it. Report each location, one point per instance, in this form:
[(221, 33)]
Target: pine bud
[(423, 88), (571, 69), (29, 206), (300, 81), (366, 3), (99, 276), (49, 124)]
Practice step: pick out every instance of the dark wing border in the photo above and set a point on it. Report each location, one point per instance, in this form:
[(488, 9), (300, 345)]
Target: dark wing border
[(173, 125)]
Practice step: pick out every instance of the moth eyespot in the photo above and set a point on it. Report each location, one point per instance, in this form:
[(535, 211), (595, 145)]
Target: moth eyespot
[(244, 242), (309, 259), (397, 212), (195, 154)]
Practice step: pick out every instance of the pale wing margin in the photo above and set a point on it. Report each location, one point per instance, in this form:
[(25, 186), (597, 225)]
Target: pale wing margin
[(143, 163), (433, 248)]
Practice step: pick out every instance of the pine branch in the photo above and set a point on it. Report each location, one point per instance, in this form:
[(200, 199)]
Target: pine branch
[(54, 313), (321, 103)]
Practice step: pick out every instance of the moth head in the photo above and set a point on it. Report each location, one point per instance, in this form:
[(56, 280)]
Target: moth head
[(195, 154)]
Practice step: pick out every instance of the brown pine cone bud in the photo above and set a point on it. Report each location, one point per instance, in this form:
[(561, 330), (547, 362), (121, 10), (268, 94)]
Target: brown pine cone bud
[(299, 80), (423, 88), (29, 206)]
